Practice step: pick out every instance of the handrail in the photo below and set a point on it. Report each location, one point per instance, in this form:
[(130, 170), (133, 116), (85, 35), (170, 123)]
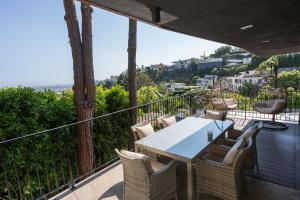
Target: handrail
[(90, 119)]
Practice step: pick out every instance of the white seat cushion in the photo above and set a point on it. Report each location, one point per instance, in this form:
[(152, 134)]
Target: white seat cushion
[(144, 131), (168, 121), (233, 152)]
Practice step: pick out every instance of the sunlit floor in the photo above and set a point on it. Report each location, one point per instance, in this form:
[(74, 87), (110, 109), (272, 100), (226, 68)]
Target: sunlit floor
[(108, 184)]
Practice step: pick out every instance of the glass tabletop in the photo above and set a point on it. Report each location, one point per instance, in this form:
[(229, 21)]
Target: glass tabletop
[(186, 138)]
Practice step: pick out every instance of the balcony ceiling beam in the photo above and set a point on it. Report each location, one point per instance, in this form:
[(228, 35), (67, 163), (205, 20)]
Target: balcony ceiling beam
[(263, 27)]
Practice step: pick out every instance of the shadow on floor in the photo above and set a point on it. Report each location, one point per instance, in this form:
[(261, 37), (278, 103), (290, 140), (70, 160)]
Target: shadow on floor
[(115, 191)]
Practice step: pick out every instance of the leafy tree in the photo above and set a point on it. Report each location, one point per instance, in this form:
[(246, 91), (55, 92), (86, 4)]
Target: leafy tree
[(268, 64), (123, 80), (147, 94), (142, 79), (116, 99), (221, 52), (255, 62), (245, 89), (101, 105), (291, 78), (23, 111)]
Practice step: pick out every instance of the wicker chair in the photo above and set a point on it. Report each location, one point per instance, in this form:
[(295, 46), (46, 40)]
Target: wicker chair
[(159, 120), (137, 137), (218, 179), (233, 136), (145, 179), (134, 131), (224, 104), (216, 115)]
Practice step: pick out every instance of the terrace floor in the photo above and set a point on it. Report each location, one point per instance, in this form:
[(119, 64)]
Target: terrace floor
[(278, 177)]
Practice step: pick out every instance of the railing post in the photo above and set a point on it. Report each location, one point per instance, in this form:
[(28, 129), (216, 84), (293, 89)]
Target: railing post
[(167, 106), (190, 104), (245, 109)]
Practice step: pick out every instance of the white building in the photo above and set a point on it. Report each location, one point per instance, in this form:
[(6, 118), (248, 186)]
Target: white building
[(156, 67), (250, 77), (238, 61), (209, 62), (175, 86), (170, 68), (184, 64), (207, 81)]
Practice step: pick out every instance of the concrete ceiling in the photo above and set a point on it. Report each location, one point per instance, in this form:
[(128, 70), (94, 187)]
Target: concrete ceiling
[(273, 25)]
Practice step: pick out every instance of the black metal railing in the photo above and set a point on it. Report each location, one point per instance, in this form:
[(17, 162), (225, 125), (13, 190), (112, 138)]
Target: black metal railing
[(41, 165), (245, 109)]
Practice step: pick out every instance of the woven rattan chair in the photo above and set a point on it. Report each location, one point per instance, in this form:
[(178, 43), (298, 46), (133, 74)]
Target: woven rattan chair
[(218, 179), (224, 104), (233, 136), (145, 179), (134, 131), (216, 115), (137, 137), (160, 122)]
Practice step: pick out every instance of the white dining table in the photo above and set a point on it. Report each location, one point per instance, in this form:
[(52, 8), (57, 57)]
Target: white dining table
[(185, 141)]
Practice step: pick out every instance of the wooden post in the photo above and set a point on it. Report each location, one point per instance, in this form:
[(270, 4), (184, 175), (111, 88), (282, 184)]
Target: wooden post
[(132, 77)]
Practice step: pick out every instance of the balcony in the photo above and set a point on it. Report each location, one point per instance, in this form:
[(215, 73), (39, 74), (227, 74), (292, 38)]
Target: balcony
[(24, 175)]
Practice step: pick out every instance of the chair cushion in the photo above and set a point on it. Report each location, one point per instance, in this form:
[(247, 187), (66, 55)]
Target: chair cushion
[(168, 121), (216, 115), (270, 107), (248, 133), (156, 166), (273, 91), (233, 152), (159, 120), (138, 156), (144, 131)]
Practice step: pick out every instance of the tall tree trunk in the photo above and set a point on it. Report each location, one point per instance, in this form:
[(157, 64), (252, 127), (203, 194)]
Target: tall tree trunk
[(84, 84), (132, 76)]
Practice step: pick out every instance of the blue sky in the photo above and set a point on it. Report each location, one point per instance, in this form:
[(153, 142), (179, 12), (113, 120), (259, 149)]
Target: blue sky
[(34, 48)]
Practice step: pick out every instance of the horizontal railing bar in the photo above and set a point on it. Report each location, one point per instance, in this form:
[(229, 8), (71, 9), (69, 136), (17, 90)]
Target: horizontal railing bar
[(87, 120), (94, 118)]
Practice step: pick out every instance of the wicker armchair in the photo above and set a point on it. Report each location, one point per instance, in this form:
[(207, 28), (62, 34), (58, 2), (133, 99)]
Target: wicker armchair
[(145, 179), (159, 120), (234, 135), (137, 137), (218, 179), (134, 131)]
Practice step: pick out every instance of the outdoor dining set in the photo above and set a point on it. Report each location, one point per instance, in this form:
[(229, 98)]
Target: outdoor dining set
[(215, 154)]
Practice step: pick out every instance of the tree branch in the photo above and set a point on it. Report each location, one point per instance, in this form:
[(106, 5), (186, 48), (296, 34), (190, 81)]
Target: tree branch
[(75, 43)]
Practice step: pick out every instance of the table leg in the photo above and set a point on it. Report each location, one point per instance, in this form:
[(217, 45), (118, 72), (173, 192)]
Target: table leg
[(190, 188)]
